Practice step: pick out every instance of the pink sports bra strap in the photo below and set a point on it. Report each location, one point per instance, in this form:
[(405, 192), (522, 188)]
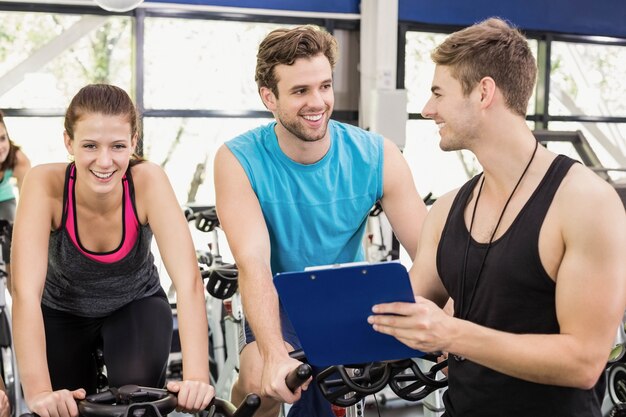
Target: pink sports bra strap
[(130, 223)]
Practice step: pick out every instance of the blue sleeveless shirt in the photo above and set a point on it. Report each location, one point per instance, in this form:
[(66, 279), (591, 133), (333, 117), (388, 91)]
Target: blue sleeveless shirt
[(315, 214)]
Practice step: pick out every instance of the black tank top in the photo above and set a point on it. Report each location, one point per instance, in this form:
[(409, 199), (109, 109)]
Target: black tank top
[(77, 284), (514, 294)]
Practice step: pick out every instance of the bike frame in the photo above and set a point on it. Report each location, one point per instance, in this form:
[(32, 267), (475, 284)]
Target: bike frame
[(225, 316)]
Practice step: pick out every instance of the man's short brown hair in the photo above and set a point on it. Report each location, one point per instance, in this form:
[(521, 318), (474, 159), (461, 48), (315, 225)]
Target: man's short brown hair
[(491, 48), (284, 46)]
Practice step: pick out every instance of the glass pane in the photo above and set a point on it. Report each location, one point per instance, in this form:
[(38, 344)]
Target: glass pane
[(434, 170), (563, 147), (587, 79), (608, 141), (419, 68), (214, 69), (186, 147), (45, 58), (41, 138)]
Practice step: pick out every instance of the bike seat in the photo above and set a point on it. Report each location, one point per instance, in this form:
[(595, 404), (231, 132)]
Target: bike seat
[(222, 282)]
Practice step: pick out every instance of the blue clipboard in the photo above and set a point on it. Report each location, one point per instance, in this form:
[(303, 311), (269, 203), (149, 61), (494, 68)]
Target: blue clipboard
[(329, 307)]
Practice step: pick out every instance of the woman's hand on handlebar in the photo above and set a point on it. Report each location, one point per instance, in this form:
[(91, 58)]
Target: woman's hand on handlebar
[(61, 403), (193, 396)]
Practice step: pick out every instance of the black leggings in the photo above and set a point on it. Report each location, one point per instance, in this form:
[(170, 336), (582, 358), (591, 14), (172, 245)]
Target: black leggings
[(135, 339)]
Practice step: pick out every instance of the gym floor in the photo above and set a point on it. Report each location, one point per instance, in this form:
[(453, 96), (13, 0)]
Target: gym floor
[(401, 411)]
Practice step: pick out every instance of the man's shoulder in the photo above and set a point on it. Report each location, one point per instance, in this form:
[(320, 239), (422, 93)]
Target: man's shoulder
[(584, 195), (348, 130), (251, 136), (582, 183), (443, 204), (353, 139)]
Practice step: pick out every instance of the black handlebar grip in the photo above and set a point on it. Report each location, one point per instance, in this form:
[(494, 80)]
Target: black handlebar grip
[(298, 376), (248, 406), (298, 354)]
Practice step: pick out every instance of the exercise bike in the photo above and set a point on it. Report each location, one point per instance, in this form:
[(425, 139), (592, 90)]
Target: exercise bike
[(616, 374), (137, 401), (223, 304), (8, 365), (346, 386)]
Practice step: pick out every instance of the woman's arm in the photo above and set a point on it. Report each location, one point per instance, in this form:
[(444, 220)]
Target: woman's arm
[(29, 262), (22, 165)]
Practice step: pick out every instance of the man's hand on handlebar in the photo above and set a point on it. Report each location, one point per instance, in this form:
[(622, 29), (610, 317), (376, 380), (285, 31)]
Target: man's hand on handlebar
[(273, 382), (61, 403), (193, 396)]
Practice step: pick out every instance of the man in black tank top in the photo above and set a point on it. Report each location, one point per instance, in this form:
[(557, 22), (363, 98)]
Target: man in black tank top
[(530, 250)]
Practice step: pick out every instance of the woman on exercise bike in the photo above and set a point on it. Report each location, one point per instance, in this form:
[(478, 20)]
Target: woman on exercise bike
[(13, 164), (84, 275)]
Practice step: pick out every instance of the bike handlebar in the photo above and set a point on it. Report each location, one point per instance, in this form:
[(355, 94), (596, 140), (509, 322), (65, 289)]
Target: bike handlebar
[(345, 385), (247, 408), (132, 400), (298, 376)]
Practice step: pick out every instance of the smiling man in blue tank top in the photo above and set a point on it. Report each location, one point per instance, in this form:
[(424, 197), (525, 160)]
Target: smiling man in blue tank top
[(531, 250), (297, 193)]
